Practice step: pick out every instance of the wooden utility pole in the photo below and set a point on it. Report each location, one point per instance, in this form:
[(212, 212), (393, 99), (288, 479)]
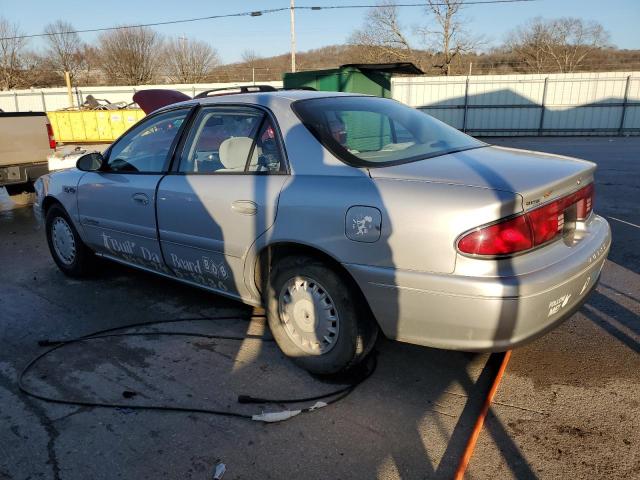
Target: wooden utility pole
[(292, 9), (67, 79)]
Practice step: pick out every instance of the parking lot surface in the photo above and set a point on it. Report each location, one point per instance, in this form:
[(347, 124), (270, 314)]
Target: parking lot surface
[(568, 406)]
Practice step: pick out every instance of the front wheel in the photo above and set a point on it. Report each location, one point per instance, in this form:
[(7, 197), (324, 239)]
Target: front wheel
[(317, 317), (68, 250)]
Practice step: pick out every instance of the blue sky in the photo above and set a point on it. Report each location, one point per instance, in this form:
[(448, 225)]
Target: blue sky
[(269, 34)]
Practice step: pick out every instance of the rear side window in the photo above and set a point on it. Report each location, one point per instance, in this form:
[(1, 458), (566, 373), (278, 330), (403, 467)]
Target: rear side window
[(231, 140), (371, 131)]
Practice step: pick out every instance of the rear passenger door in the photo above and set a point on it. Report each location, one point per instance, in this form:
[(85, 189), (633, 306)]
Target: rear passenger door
[(222, 195)]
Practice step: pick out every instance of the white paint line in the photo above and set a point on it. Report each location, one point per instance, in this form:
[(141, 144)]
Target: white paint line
[(624, 221)]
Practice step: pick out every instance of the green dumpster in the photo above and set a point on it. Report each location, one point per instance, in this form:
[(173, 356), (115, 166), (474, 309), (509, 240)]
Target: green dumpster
[(366, 78)]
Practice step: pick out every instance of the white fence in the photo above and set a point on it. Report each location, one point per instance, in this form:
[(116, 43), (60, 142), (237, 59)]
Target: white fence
[(48, 99), (554, 104)]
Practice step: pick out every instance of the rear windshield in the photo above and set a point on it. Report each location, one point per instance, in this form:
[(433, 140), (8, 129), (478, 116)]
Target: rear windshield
[(371, 131)]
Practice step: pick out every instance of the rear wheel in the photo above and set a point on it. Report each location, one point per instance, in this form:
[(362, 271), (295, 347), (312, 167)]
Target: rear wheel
[(69, 252), (317, 317)]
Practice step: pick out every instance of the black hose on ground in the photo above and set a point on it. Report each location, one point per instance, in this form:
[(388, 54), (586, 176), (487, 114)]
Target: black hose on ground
[(54, 345)]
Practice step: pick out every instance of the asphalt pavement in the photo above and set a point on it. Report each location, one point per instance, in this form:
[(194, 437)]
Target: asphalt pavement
[(568, 406)]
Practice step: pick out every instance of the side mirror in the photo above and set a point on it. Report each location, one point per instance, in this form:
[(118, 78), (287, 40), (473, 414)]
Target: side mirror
[(90, 162)]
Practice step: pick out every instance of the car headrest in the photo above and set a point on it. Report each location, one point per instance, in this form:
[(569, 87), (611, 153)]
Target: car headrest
[(234, 152)]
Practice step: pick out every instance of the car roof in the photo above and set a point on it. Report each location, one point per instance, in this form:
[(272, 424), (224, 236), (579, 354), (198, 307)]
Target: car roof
[(291, 95), (269, 98), (280, 98)]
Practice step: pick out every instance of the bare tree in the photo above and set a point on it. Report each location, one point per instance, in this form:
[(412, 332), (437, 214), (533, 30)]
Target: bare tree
[(572, 40), (381, 36), (35, 71), (250, 63), (64, 49), (561, 44), (449, 38), (130, 56), (189, 61), (92, 73), (528, 42), (250, 57), (11, 50)]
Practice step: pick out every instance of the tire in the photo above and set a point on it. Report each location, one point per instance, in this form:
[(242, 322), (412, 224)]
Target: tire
[(318, 318), (68, 250)]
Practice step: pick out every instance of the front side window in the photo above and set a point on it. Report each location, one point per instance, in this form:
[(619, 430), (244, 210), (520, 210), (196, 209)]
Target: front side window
[(145, 149), (374, 132), (231, 140)]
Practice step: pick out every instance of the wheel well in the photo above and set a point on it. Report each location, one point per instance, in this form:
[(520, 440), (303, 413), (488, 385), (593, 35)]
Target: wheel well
[(273, 253), (47, 203)]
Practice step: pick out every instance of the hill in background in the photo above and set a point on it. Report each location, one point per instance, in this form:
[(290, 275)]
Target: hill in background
[(494, 62)]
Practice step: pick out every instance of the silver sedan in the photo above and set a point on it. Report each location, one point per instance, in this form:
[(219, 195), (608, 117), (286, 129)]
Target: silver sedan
[(343, 216)]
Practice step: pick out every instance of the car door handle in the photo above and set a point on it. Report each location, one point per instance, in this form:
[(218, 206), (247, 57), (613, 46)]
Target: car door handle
[(245, 207), (140, 198)]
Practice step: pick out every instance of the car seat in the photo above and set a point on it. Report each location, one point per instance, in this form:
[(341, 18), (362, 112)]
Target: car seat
[(234, 152)]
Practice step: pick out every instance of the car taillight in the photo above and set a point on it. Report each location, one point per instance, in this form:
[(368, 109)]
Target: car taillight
[(528, 230), (546, 222), (502, 238), (52, 140), (585, 201)]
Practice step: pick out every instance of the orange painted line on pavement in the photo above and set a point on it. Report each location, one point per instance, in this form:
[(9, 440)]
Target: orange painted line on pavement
[(477, 428)]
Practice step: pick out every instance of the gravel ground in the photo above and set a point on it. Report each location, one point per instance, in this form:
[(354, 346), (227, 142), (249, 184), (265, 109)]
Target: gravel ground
[(568, 405)]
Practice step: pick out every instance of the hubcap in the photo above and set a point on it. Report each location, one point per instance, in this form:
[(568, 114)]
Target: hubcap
[(63, 242), (308, 315)]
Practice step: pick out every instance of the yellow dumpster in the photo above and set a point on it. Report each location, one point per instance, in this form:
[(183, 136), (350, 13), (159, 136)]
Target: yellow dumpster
[(78, 126)]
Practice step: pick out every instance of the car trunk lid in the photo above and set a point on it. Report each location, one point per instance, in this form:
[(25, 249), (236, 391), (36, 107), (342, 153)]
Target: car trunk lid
[(536, 177), (552, 189), (154, 98)]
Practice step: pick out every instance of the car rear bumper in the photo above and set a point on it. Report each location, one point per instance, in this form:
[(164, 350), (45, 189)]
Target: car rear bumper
[(487, 312), (17, 174)]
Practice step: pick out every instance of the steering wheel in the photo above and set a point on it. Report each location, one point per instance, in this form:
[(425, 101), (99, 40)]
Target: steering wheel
[(121, 165)]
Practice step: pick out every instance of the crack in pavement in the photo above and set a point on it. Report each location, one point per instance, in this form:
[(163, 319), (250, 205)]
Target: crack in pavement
[(68, 415), (44, 421)]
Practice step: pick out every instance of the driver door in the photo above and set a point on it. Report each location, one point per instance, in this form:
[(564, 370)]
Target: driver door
[(117, 203)]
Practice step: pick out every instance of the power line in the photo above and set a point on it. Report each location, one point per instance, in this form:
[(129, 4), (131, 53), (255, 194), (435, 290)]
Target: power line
[(255, 13), (478, 2), (154, 24)]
